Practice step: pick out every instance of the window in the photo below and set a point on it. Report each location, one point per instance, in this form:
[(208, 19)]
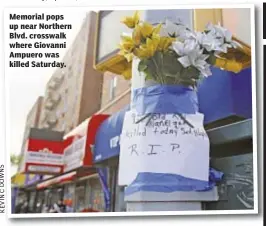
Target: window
[(80, 197), (113, 84), (97, 196), (32, 200)]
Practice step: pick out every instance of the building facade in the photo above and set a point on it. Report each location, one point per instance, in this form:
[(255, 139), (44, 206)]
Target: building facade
[(74, 93), (32, 121), (115, 93)]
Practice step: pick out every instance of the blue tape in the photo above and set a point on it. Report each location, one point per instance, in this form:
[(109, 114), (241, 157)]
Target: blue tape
[(168, 99), (160, 182), (165, 99)]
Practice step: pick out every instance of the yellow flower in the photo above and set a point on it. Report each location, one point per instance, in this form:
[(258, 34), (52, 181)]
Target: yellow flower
[(148, 50), (127, 39), (127, 73), (164, 43), (153, 42), (157, 29), (141, 52), (126, 54), (146, 29), (136, 36), (131, 22), (129, 56), (127, 45)]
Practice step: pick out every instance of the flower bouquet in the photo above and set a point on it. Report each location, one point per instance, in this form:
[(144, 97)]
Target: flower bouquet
[(171, 53)]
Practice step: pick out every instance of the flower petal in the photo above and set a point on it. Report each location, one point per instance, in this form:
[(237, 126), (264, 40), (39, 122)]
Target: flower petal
[(178, 47), (185, 61)]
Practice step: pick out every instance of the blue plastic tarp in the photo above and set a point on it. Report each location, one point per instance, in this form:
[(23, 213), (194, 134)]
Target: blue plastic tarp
[(165, 99), (160, 182), (103, 176), (225, 94)]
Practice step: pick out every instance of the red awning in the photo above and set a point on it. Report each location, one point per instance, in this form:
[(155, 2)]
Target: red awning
[(78, 143)]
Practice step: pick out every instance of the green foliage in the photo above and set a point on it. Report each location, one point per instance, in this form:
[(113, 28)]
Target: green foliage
[(164, 68), (15, 160)]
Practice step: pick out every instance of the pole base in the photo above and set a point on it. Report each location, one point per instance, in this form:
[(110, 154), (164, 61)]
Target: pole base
[(174, 201)]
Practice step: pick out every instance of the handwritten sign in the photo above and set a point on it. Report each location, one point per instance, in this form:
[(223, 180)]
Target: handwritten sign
[(163, 143)]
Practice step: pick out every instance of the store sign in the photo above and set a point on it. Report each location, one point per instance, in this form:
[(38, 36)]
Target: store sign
[(45, 169), (43, 157), (114, 142), (78, 144), (74, 154)]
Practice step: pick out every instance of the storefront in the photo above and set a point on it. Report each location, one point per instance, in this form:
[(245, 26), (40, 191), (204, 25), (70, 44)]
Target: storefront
[(89, 195), (17, 183), (40, 201), (78, 158), (52, 190), (80, 202), (78, 186), (96, 198), (106, 154), (82, 193), (69, 195)]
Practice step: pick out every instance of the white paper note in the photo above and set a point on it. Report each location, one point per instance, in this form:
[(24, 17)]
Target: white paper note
[(167, 144)]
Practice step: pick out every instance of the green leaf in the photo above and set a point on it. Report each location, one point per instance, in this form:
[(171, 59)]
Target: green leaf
[(171, 75), (192, 73), (143, 65), (152, 70), (159, 58), (211, 59), (170, 64), (148, 76)]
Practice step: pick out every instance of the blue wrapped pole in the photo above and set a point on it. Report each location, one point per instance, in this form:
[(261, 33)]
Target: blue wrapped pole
[(167, 99)]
